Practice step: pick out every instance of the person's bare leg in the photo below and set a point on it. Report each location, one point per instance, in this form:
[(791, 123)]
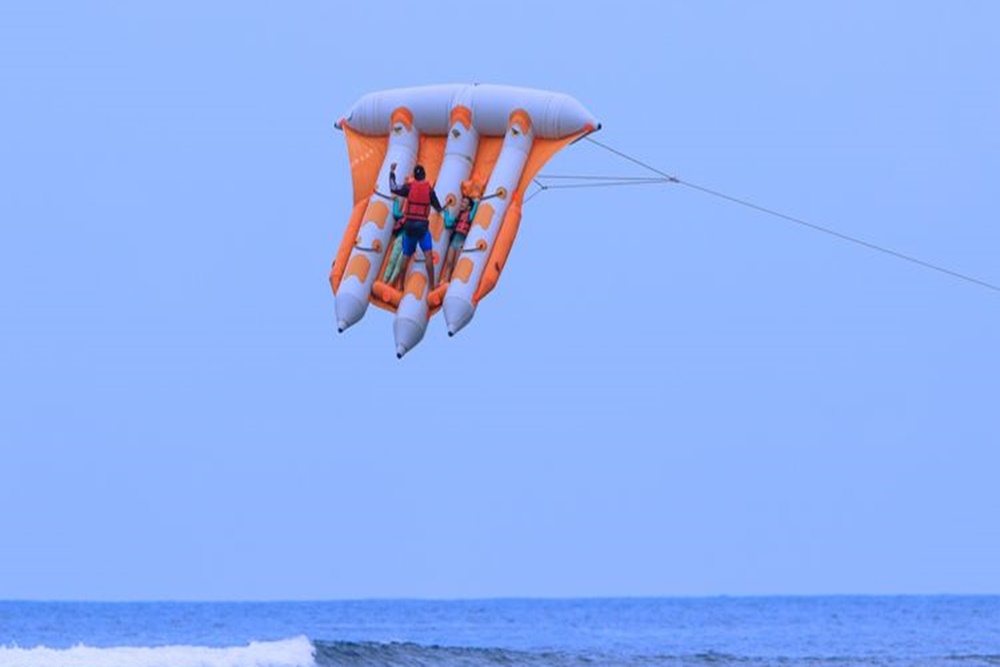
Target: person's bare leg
[(448, 266), (429, 265), (401, 279)]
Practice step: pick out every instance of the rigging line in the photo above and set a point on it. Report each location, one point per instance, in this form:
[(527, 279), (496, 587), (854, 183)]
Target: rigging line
[(613, 182), (658, 181), (540, 190), (633, 160), (601, 178), (845, 237), (810, 225)]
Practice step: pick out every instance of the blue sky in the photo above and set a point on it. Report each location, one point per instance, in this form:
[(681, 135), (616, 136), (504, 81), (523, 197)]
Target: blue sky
[(748, 407)]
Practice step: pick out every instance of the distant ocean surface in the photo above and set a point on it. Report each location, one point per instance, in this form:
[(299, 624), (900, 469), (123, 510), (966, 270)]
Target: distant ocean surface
[(946, 631)]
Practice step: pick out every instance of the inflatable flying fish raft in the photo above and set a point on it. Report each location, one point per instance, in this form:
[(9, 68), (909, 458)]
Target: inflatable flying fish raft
[(481, 139)]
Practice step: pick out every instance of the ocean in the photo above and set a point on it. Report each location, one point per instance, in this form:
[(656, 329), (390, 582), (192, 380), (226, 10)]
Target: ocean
[(905, 631)]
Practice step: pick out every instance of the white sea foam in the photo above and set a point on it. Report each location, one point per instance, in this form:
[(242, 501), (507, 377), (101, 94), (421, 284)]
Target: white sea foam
[(294, 652)]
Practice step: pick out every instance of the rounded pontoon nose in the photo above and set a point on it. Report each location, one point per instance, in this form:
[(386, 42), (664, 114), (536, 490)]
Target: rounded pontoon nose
[(457, 313), (407, 334), (350, 310)]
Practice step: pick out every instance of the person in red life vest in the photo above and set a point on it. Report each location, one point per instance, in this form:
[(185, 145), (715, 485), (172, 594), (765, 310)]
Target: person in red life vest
[(420, 198), (459, 223)]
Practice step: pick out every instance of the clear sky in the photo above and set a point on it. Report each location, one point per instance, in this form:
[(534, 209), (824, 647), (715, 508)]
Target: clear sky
[(736, 405)]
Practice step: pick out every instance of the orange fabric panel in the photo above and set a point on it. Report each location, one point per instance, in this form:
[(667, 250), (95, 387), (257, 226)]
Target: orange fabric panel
[(463, 270), (366, 155), (436, 225), (353, 225), (359, 266), (486, 158), (415, 284), (378, 212), (431, 155), (484, 215)]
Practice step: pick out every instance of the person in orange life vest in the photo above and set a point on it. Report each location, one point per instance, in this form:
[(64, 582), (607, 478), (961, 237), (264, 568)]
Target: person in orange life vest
[(459, 223), (420, 198)]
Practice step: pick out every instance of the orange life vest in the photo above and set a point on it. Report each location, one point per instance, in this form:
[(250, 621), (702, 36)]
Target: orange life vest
[(463, 224), (418, 201)]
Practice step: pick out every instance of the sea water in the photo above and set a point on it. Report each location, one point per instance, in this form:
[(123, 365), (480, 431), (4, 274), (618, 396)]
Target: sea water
[(908, 631)]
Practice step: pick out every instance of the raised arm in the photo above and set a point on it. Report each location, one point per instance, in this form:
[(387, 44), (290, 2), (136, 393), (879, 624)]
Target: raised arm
[(401, 190)]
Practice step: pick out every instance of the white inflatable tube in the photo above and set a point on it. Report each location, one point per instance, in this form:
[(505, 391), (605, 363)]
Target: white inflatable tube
[(459, 306), (460, 153), (375, 232), (553, 115)]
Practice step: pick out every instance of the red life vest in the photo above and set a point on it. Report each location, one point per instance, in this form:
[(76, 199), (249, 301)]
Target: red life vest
[(418, 201), (463, 224)]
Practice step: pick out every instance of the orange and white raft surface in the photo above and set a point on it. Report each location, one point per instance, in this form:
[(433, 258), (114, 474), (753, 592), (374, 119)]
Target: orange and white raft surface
[(493, 139)]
